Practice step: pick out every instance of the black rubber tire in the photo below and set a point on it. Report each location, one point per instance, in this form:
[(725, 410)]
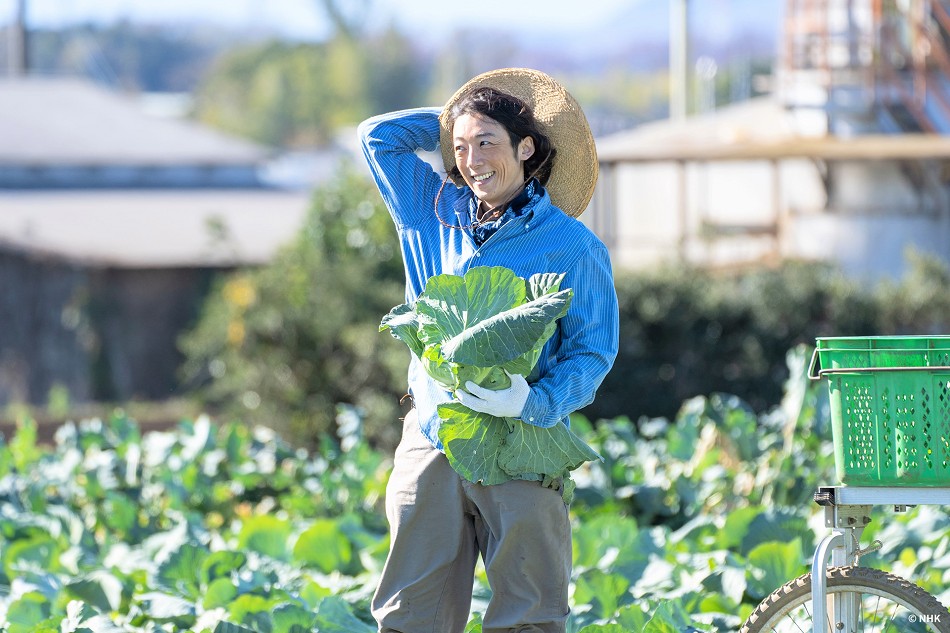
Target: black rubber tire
[(904, 607)]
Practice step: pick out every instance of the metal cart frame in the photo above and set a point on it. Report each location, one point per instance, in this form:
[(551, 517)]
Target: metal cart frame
[(847, 513)]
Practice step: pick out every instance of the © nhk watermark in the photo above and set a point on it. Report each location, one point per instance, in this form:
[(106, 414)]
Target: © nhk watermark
[(924, 618)]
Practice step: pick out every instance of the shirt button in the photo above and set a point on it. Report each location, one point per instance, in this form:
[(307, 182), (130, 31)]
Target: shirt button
[(531, 419)]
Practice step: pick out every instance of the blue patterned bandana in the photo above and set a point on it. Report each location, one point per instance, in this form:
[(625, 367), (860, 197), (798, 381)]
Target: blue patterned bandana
[(481, 232)]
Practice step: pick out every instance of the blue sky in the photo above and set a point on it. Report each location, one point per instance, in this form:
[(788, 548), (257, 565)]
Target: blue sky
[(303, 18)]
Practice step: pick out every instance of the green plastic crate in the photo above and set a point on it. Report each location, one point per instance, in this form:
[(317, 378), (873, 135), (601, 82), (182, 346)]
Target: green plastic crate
[(890, 408), (857, 352)]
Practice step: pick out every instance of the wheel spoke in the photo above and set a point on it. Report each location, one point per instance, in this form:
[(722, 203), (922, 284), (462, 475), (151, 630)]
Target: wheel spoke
[(879, 603)]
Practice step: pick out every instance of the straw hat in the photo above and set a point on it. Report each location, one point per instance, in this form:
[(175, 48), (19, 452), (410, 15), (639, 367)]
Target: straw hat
[(572, 180)]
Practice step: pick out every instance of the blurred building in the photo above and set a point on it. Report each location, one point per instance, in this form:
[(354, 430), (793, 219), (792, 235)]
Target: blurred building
[(112, 224), (847, 161)]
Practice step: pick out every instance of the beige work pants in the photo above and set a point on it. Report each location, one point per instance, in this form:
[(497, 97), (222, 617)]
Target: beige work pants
[(439, 523)]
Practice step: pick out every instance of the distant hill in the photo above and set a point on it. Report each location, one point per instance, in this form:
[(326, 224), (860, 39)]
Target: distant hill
[(125, 55)]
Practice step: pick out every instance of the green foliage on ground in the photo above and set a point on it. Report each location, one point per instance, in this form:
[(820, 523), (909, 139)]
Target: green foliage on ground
[(213, 528), (192, 530)]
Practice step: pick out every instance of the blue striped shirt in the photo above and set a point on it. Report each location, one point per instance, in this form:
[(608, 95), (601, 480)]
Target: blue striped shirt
[(542, 239)]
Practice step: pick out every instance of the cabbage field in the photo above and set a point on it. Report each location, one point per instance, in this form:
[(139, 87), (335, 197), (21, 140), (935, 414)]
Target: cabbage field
[(685, 525)]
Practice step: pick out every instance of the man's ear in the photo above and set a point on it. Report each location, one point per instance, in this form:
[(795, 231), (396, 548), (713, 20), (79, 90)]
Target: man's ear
[(526, 148)]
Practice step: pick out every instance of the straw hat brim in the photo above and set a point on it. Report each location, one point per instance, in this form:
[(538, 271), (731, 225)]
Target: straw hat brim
[(572, 180)]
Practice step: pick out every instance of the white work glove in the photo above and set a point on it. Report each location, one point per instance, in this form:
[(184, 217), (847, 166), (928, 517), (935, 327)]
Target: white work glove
[(504, 403)]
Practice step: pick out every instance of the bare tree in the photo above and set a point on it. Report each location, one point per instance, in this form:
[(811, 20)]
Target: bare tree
[(347, 16)]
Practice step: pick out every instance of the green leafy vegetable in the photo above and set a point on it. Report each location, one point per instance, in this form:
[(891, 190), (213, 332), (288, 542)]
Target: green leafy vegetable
[(470, 442), (675, 509), (478, 327)]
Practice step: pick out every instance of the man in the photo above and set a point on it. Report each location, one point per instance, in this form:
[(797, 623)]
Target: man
[(522, 159)]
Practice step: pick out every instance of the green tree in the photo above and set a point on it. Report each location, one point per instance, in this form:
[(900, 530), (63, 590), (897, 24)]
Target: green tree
[(396, 77), (347, 16), (272, 93), (285, 344), (686, 332), (297, 95)]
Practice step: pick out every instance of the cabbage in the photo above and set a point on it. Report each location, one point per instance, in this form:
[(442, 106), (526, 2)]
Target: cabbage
[(476, 327)]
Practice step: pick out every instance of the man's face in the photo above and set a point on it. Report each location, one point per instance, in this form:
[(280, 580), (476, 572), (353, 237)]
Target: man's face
[(489, 164)]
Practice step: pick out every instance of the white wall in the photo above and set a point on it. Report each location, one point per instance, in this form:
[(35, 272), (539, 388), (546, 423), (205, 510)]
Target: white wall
[(866, 221)]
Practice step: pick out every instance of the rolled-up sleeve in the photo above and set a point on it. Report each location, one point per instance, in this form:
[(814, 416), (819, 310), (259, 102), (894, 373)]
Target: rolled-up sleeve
[(390, 142)]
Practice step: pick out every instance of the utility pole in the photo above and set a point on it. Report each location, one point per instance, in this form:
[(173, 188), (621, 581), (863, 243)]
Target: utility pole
[(17, 62), (679, 58)]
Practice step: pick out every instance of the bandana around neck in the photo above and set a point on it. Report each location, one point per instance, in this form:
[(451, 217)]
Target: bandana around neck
[(516, 208)]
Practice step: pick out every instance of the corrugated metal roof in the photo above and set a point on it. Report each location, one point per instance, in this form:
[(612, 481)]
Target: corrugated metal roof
[(758, 129), (68, 121), (147, 229)]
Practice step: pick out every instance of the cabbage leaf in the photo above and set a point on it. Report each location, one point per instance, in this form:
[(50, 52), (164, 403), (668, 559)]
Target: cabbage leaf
[(478, 327)]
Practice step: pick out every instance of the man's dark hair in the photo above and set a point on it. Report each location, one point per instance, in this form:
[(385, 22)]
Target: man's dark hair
[(517, 118)]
